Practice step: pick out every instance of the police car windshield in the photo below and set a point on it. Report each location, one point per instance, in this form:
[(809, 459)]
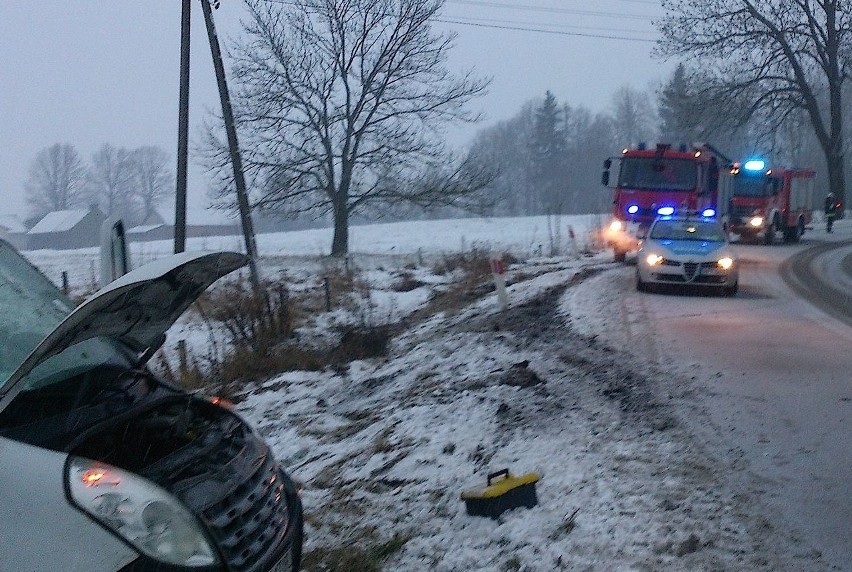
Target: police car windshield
[(702, 230)]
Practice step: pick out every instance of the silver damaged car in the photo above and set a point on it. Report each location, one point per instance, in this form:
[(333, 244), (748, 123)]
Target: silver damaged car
[(103, 465)]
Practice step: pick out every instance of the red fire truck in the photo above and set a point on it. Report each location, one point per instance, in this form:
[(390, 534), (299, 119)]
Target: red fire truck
[(661, 181), (767, 201)]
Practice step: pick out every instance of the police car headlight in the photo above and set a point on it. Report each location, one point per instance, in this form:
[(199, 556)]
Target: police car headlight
[(725, 263), (756, 221), (616, 226), (654, 259), (140, 512)]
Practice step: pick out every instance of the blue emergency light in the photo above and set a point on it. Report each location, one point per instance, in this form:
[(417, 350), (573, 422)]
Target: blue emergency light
[(665, 211), (708, 213), (633, 209), (754, 165)]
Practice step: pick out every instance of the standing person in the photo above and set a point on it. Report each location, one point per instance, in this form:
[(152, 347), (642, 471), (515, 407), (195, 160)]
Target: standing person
[(830, 211)]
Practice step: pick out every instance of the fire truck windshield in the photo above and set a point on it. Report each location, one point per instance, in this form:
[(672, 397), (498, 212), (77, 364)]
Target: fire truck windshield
[(752, 186), (658, 173)]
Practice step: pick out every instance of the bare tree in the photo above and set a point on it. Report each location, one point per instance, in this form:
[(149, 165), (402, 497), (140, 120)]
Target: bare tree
[(633, 116), (548, 164), (56, 180), (152, 177), (110, 180), (341, 105), (775, 57)]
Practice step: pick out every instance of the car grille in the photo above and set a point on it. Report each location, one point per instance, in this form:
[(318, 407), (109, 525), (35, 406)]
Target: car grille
[(229, 477), (740, 214), (250, 522), (692, 272)]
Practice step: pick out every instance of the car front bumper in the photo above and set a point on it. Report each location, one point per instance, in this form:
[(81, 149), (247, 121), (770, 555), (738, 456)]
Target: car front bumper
[(706, 273)]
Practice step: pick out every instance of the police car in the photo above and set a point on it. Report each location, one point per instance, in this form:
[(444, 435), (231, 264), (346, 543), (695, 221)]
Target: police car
[(687, 250)]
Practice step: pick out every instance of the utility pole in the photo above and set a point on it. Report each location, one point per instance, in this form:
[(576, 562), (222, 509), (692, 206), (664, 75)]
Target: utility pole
[(183, 132), (236, 160)]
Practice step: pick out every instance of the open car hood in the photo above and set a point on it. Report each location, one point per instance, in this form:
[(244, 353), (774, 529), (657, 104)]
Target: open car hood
[(135, 309)]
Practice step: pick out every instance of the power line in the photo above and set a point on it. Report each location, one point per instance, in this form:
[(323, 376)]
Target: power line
[(552, 24), (521, 27), (530, 8), (527, 7), (554, 32)]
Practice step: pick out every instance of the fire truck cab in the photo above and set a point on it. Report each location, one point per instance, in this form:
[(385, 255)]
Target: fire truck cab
[(661, 181)]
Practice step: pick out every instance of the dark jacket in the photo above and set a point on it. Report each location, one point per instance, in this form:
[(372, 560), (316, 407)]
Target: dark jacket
[(830, 205)]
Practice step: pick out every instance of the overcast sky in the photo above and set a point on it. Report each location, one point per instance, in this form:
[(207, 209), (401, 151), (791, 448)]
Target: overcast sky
[(89, 72)]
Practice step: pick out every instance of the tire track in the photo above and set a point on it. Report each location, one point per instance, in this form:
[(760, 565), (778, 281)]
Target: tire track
[(798, 273)]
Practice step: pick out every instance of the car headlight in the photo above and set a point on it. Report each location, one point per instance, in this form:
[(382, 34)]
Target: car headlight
[(616, 226), (140, 512), (725, 263), (654, 259), (756, 221)]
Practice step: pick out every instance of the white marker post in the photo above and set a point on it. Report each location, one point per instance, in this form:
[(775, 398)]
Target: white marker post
[(498, 269), (573, 238)]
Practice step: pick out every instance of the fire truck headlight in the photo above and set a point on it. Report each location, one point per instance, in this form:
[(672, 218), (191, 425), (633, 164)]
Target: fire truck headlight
[(654, 260), (615, 226), (725, 263), (756, 221)]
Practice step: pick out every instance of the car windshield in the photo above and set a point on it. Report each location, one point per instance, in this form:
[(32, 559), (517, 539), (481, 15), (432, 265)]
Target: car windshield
[(702, 230), (753, 186), (657, 173), (31, 307)]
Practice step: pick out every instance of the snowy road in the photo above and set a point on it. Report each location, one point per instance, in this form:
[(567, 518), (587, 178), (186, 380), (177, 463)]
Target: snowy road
[(773, 374)]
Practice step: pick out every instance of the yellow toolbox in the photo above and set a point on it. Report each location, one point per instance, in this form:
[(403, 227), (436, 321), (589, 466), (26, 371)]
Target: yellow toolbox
[(502, 491)]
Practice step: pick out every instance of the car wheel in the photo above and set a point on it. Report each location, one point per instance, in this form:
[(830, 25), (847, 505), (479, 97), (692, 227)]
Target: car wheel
[(731, 290), (792, 234), (770, 233)]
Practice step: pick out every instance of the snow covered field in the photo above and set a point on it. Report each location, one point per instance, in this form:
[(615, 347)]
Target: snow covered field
[(385, 446)]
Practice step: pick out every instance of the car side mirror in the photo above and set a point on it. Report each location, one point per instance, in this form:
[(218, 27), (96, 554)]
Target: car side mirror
[(605, 178)]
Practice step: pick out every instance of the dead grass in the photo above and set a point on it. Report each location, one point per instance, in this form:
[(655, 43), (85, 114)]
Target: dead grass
[(259, 327), (406, 283), (361, 554), (360, 342), (475, 282), (255, 320)]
